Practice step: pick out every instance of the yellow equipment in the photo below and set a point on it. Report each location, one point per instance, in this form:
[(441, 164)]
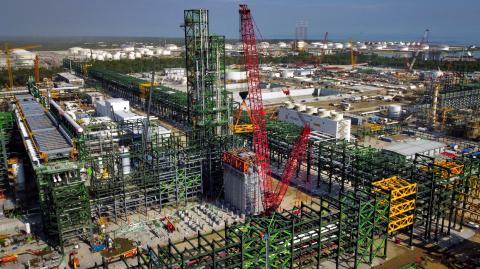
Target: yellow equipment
[(445, 111), (242, 128), (7, 52)]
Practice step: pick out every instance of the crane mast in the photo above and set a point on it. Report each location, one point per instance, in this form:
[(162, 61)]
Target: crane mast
[(260, 140), (417, 52), (272, 198)]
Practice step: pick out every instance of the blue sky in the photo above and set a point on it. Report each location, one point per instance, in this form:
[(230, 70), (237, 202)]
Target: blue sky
[(453, 20)]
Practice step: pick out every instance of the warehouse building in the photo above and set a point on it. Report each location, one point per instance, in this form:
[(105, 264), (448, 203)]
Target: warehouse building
[(408, 149)]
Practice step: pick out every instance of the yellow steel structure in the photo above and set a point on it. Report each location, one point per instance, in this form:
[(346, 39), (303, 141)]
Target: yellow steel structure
[(402, 201), (401, 206), (445, 111), (399, 187), (373, 127), (7, 52), (445, 168), (399, 222), (238, 128), (144, 87)]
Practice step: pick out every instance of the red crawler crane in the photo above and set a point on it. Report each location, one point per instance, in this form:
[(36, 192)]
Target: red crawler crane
[(272, 197)]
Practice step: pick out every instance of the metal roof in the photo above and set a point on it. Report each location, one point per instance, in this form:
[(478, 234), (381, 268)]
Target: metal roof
[(44, 132), (409, 148)]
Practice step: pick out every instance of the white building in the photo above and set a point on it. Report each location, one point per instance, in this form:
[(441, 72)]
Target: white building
[(408, 149), (328, 122)]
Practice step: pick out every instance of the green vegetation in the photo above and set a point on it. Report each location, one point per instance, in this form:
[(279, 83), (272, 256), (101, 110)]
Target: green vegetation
[(20, 76), (140, 65)]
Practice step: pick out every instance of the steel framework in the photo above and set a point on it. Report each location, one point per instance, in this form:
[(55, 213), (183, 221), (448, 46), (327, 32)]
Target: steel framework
[(6, 128), (128, 176)]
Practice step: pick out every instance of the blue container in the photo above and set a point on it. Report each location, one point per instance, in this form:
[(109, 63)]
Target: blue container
[(99, 247)]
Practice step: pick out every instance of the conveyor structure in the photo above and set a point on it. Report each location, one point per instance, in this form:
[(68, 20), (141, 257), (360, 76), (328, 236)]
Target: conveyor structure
[(46, 138)]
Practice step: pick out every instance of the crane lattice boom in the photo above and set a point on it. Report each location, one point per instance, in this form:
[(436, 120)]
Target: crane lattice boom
[(272, 198)]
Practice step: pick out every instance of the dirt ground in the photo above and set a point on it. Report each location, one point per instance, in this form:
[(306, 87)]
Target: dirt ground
[(463, 255)]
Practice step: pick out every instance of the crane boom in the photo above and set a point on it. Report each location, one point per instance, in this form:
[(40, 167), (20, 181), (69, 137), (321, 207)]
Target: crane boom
[(260, 140), (272, 198), (417, 52)]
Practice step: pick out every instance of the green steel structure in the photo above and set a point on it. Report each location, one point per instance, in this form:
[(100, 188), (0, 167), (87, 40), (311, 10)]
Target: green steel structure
[(209, 104), (7, 125), (126, 176), (64, 201), (290, 239), (363, 227)]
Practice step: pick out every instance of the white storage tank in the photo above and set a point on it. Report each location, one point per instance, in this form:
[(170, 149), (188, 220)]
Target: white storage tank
[(235, 75), (289, 105), (167, 52), (311, 110), (323, 113), (300, 107), (138, 55), (338, 117), (394, 111), (287, 73), (131, 56)]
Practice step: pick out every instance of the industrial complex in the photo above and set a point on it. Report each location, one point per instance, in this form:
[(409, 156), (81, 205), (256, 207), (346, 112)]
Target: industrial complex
[(252, 165)]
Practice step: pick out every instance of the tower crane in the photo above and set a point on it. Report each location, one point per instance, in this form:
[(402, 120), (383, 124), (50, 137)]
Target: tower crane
[(324, 47), (7, 52), (423, 42), (272, 196), (353, 55)]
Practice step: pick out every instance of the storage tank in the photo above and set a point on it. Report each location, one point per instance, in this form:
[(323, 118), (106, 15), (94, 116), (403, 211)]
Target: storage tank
[(75, 50), (167, 52), (338, 117), (100, 57), (128, 48), (116, 56), (300, 107), (338, 46), (287, 73), (394, 111), (138, 55), (131, 56), (311, 110), (301, 45), (235, 75), (289, 105), (323, 113), (282, 45)]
